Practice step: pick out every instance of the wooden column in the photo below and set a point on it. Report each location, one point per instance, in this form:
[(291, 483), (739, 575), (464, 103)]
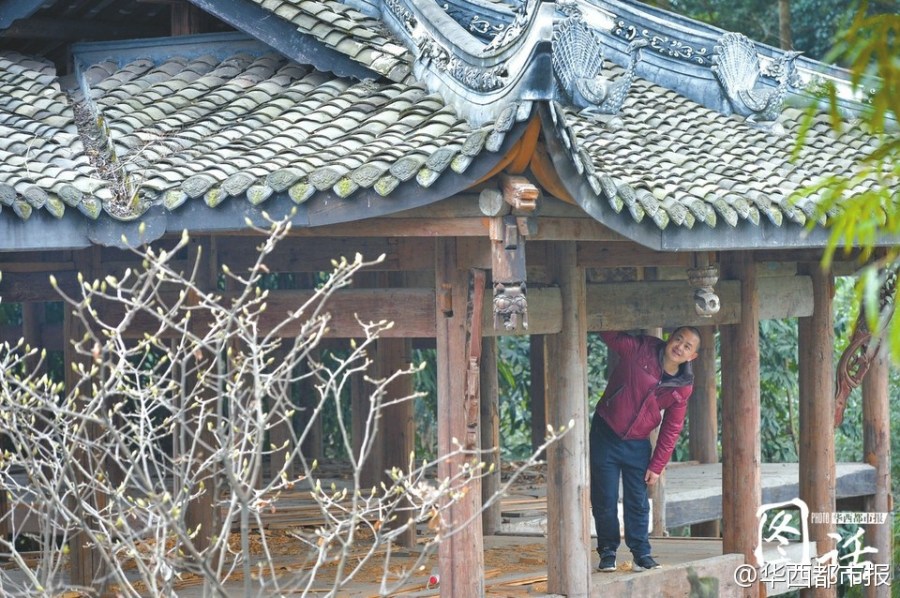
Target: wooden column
[(490, 435), (816, 373), (703, 427), (201, 511), (372, 472), (310, 424), (397, 428), (538, 399), (360, 411), (87, 567), (461, 555), (877, 452), (741, 486), (657, 492), (568, 499), (281, 432)]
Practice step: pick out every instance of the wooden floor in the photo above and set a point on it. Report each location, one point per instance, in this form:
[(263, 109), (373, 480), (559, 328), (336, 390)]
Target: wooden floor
[(516, 559)]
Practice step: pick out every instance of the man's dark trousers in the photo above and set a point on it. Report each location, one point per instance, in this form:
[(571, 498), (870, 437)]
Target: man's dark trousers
[(611, 457)]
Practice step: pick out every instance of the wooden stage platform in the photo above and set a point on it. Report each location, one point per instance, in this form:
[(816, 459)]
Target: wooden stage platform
[(694, 493)]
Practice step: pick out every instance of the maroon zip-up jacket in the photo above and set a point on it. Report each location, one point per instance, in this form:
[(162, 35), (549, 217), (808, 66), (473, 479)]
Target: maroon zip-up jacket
[(636, 394)]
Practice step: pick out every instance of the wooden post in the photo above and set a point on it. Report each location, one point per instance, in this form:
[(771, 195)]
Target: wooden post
[(538, 405), (877, 452), (741, 485), (703, 428), (490, 435), (372, 472), (281, 432), (201, 511), (310, 424), (397, 426), (568, 499), (87, 567), (657, 492), (816, 374), (461, 554), (186, 19), (360, 410)]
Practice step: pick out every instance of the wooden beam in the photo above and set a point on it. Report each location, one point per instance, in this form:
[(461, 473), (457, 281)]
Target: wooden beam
[(593, 254), (568, 531), (816, 376), (35, 286), (877, 452), (703, 429), (461, 554), (741, 483), (629, 305), (490, 436), (316, 255), (407, 308)]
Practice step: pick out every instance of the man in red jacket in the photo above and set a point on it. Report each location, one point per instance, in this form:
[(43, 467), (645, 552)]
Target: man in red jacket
[(651, 376)]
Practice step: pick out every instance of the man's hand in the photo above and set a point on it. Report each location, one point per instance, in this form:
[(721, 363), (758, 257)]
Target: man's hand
[(650, 477)]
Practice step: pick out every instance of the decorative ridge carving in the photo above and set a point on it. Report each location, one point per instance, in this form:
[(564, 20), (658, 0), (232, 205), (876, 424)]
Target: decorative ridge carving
[(578, 61), (736, 65), (477, 79), (662, 43)]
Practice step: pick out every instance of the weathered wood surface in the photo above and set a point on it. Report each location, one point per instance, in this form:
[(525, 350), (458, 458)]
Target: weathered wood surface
[(565, 354), (461, 553), (703, 427), (877, 453), (490, 434), (694, 491), (629, 305), (816, 388), (741, 489)]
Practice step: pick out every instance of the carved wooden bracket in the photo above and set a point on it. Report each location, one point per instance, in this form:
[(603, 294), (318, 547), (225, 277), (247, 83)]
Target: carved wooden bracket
[(508, 233), (703, 278), (863, 347), (519, 193), (472, 401), (508, 268)]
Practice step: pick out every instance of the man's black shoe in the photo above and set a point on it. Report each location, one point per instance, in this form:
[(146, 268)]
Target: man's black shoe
[(645, 562), (607, 563)]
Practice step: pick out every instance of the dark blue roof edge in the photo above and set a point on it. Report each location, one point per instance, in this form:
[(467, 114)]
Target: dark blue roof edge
[(284, 37), (13, 10), (160, 49)]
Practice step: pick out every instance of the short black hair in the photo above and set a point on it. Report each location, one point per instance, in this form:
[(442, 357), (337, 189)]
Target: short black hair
[(692, 329)]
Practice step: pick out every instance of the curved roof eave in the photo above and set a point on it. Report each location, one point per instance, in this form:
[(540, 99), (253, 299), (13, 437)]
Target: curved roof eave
[(700, 238), (324, 208)]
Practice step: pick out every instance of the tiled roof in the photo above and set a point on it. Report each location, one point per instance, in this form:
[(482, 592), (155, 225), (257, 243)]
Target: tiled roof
[(43, 164), (343, 28), (679, 164), (205, 130)]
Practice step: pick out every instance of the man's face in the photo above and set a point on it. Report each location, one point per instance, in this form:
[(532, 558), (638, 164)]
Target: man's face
[(682, 346)]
